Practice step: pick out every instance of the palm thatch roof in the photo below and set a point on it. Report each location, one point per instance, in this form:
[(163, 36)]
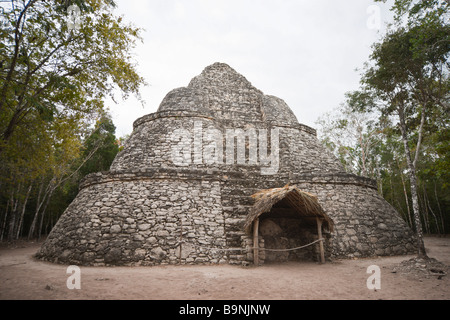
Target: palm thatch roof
[(305, 205)]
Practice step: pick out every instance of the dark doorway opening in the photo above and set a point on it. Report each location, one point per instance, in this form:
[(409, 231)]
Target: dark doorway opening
[(283, 229), (292, 223)]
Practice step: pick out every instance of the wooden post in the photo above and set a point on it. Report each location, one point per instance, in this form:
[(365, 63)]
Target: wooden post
[(319, 232), (181, 240), (256, 242)]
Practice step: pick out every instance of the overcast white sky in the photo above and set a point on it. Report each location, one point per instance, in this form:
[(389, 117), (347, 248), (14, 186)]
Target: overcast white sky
[(302, 51)]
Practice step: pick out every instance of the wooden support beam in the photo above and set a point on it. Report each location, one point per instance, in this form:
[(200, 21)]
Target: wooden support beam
[(256, 242), (319, 232)]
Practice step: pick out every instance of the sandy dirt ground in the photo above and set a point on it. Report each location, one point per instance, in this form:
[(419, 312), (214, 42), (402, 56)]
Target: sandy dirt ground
[(23, 277)]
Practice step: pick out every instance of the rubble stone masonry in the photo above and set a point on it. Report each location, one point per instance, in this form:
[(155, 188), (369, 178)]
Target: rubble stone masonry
[(147, 210)]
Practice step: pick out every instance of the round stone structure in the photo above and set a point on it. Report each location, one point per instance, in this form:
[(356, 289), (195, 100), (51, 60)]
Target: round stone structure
[(181, 189)]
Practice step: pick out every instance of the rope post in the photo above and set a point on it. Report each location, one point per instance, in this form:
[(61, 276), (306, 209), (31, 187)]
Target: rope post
[(319, 232), (256, 242)]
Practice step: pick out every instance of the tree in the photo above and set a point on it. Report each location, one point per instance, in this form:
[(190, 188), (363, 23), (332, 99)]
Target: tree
[(96, 153), (42, 155), (48, 68), (54, 80), (408, 78), (102, 139), (350, 135)]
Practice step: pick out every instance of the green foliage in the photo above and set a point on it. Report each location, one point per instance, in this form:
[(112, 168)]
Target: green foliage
[(406, 86), (49, 69), (105, 141), (54, 82)]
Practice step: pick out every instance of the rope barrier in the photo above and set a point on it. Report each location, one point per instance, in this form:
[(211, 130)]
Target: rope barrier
[(292, 249), (252, 248)]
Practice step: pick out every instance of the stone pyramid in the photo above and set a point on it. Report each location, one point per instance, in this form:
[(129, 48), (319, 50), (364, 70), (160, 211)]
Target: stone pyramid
[(181, 189)]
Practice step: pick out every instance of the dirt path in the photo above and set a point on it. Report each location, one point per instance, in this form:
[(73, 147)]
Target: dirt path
[(22, 277)]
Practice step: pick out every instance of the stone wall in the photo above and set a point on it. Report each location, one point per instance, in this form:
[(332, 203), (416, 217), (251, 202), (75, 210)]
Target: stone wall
[(140, 222), (365, 224), (150, 209), (154, 140), (140, 217)]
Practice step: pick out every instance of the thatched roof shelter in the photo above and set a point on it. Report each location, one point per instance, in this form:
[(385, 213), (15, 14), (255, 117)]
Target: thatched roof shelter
[(305, 204)]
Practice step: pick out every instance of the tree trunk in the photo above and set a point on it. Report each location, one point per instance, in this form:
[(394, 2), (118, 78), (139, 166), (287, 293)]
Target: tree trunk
[(12, 221), (390, 183), (427, 203), (24, 205), (36, 213), (4, 221), (379, 179), (43, 213), (421, 253), (441, 217), (426, 217), (406, 200)]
